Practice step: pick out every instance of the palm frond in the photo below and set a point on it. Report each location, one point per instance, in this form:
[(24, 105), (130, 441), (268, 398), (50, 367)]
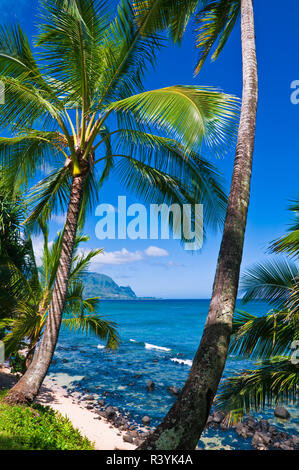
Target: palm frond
[(274, 381), (214, 114), (290, 243), (127, 53), (173, 15), (262, 337), (100, 327), (271, 281), (214, 23), (50, 196)]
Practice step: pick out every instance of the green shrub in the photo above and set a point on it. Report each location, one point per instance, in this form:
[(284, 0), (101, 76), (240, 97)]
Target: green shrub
[(37, 427)]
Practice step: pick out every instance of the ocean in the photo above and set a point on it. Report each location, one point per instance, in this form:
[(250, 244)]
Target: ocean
[(158, 341)]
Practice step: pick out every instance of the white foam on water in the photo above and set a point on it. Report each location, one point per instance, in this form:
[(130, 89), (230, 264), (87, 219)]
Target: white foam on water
[(153, 346), (186, 362), (100, 346), (133, 340)]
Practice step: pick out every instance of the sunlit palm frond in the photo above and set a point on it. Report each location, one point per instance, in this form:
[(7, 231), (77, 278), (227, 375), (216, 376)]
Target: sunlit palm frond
[(160, 15), (127, 53), (81, 263), (100, 327), (17, 60), (262, 337), (169, 157), (274, 381), (23, 155), (214, 23), (214, 114), (271, 281), (50, 196), (25, 105), (70, 34), (26, 326), (290, 243)]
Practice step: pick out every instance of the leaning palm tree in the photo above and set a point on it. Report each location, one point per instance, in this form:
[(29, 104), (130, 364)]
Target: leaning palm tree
[(76, 108), (214, 19), (32, 296)]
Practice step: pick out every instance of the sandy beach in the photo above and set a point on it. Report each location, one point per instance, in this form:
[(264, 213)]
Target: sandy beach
[(96, 428)]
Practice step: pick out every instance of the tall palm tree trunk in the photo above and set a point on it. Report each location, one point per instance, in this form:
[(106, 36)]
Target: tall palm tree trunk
[(28, 386), (184, 423)]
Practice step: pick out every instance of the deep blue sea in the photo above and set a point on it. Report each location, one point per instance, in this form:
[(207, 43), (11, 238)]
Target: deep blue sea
[(158, 341)]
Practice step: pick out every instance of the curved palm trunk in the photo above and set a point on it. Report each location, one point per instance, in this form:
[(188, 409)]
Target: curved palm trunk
[(28, 386), (184, 423)]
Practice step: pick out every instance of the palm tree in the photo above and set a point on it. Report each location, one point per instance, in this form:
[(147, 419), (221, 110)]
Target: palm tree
[(89, 69), (184, 423), (32, 297)]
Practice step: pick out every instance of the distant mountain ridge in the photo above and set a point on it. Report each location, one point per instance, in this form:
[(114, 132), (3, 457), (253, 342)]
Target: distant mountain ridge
[(100, 285)]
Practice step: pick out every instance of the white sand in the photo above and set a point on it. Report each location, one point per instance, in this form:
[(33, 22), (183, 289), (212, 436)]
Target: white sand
[(98, 431)]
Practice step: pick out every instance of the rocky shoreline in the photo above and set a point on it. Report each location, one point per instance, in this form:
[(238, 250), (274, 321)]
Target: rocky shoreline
[(263, 435)]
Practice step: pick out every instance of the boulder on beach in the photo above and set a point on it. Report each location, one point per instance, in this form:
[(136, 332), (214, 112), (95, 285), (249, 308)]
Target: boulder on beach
[(109, 412), (281, 412)]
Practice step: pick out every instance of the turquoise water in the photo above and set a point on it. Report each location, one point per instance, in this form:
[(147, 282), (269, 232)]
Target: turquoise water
[(158, 342)]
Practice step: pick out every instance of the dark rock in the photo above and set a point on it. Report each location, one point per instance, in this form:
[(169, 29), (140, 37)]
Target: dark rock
[(110, 412), (281, 412), (241, 430), (101, 402), (146, 420), (284, 446), (295, 440), (174, 391), (261, 441), (128, 438), (264, 425), (218, 417), (150, 386)]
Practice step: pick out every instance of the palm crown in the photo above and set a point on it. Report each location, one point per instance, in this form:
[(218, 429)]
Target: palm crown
[(60, 107)]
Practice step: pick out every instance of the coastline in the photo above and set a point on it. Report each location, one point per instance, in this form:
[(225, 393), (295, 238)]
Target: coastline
[(96, 428), (107, 429)]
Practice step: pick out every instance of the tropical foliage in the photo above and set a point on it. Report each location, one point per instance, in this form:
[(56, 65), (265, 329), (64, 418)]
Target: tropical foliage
[(32, 295), (271, 339), (213, 21), (76, 99)]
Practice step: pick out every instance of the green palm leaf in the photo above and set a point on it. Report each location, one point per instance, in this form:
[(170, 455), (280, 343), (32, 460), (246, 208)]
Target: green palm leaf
[(214, 23), (262, 337), (274, 381), (213, 114), (103, 329), (271, 281)]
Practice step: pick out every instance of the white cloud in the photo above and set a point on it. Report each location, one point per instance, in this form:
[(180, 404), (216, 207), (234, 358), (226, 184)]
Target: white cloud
[(118, 257), (124, 256), (155, 251)]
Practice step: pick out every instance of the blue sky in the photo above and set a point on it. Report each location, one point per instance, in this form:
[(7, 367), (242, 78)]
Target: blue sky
[(162, 268)]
